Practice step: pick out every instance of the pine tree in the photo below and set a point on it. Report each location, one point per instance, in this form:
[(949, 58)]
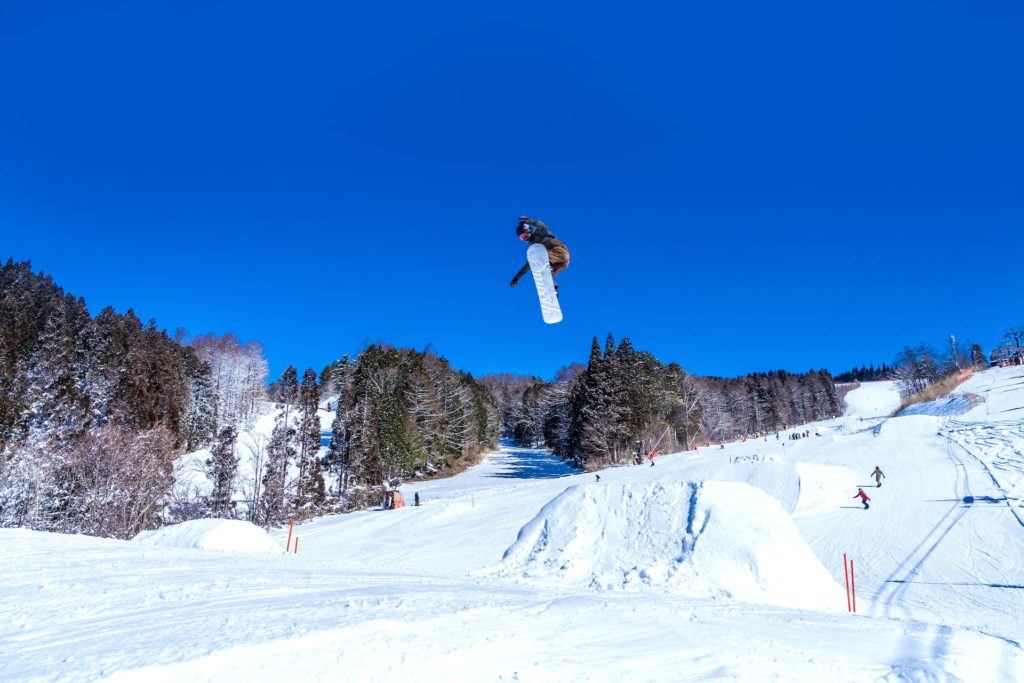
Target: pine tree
[(311, 482), (108, 345), (597, 425), (201, 412), (222, 468), (280, 450), (55, 409), (337, 451), (634, 391), (279, 453)]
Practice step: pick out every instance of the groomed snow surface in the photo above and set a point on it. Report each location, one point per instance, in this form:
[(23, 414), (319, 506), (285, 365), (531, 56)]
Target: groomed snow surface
[(719, 564)]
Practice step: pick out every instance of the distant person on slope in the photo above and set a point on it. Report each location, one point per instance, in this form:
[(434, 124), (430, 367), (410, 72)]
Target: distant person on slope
[(533, 231), (878, 475), (864, 497)]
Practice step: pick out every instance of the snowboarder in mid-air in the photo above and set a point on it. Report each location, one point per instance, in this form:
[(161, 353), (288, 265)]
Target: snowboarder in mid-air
[(532, 231), (878, 475), (864, 497)]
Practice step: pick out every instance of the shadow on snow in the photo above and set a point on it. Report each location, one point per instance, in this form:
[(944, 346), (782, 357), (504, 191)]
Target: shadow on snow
[(533, 465)]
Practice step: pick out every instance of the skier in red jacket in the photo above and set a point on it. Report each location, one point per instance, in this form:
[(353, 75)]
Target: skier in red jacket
[(864, 497)]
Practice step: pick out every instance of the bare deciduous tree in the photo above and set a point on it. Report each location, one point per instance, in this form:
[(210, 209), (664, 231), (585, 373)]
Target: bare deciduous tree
[(113, 482)]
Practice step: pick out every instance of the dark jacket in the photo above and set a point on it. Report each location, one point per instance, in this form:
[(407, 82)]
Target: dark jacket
[(558, 254), (539, 233)]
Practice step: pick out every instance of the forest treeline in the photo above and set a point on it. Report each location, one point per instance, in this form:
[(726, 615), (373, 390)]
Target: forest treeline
[(866, 373), (92, 410), (95, 412), (398, 413), (594, 415)]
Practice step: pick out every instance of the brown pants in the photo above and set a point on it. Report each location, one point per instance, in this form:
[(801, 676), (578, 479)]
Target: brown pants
[(558, 255)]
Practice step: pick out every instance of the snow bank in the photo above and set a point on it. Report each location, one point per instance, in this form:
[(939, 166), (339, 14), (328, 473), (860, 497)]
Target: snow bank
[(873, 399), (715, 538), (949, 406), (229, 535)]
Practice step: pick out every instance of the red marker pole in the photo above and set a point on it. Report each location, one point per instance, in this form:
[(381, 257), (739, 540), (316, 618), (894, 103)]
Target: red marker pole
[(296, 545), (846, 574), (291, 526), (853, 587)]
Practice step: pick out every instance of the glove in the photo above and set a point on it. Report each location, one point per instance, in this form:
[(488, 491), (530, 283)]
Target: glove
[(515, 281)]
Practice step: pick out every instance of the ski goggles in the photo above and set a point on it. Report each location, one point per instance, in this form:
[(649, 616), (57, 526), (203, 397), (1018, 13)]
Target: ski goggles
[(525, 235)]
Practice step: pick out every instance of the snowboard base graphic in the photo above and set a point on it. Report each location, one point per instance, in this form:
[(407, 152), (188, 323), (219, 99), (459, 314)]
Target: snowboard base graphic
[(537, 255)]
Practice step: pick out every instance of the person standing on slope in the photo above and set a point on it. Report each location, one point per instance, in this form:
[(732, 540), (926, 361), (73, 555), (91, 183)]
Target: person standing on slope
[(533, 231), (878, 475), (864, 497)]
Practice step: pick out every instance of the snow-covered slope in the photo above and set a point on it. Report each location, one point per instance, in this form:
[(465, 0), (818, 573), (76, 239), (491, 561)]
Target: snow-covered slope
[(873, 399), (406, 594)]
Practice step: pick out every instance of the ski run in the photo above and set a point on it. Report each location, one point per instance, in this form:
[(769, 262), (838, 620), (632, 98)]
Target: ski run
[(711, 565)]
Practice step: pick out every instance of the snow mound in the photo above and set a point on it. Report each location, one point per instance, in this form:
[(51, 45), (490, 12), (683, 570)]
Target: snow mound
[(873, 399), (714, 538), (755, 458), (228, 535), (910, 426)]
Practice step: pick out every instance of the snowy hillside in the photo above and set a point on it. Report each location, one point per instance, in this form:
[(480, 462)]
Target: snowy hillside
[(718, 564), (873, 399), (190, 470)]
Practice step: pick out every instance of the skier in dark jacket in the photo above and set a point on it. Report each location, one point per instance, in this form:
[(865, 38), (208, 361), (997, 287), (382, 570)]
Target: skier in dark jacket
[(533, 231), (864, 497)]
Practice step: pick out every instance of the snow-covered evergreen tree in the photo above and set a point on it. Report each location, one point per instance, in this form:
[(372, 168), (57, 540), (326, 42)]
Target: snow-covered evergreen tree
[(222, 468), (281, 451), (200, 418), (310, 486), (56, 409)]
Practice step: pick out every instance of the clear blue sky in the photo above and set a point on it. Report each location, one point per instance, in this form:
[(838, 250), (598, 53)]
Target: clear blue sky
[(743, 185)]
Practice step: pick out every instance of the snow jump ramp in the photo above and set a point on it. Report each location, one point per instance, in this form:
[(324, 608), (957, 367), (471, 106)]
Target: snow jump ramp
[(716, 539)]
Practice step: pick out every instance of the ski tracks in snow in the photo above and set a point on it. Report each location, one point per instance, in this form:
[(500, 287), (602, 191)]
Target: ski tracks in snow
[(998, 449), (978, 534)]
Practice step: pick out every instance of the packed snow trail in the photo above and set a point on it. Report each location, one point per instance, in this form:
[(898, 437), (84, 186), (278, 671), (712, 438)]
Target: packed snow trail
[(106, 611), (940, 543), (376, 596)]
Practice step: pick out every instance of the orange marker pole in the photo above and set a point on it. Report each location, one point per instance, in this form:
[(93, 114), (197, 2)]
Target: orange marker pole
[(853, 587), (296, 545), (291, 526), (846, 573)]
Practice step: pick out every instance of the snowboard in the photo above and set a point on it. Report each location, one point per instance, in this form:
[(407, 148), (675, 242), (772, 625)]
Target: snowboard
[(537, 255)]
